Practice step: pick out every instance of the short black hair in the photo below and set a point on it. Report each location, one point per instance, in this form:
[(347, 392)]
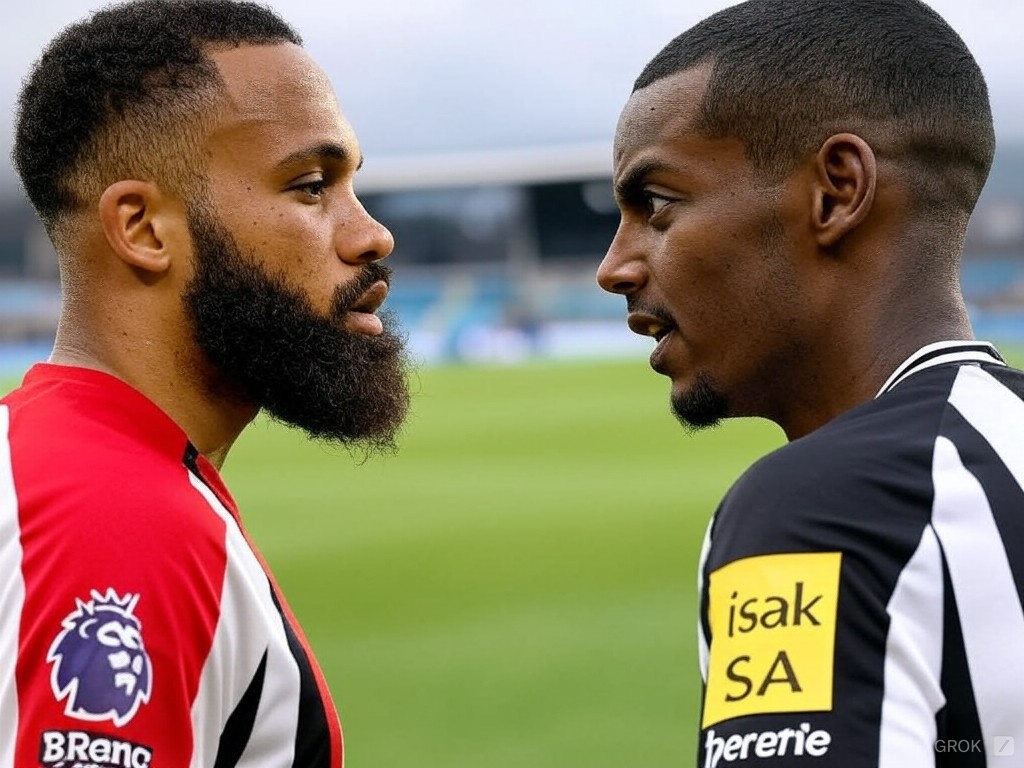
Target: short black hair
[(122, 93), (786, 74)]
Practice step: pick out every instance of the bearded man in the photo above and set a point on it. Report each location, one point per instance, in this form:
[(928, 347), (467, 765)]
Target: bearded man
[(194, 171)]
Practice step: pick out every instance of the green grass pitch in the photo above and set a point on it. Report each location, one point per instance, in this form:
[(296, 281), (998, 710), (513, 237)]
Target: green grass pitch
[(515, 587)]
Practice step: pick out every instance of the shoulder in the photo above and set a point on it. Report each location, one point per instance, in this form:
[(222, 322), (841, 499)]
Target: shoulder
[(865, 483), (103, 497), (867, 471), (89, 452)]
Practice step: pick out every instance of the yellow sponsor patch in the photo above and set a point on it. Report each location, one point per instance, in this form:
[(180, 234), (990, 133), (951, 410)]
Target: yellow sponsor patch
[(773, 634)]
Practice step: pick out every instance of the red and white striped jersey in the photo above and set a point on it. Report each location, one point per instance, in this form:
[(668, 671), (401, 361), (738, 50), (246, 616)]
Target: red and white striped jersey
[(139, 626)]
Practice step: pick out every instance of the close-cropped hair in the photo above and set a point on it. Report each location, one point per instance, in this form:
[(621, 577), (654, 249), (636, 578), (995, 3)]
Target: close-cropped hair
[(123, 95), (787, 74)]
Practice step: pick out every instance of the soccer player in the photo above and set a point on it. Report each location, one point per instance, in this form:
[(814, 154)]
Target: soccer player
[(194, 172), (795, 179)]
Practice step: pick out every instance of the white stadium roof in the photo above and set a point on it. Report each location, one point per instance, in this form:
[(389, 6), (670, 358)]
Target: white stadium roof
[(537, 165)]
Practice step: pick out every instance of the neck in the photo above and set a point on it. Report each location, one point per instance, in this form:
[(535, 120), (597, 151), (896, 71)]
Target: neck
[(850, 370), (169, 374)]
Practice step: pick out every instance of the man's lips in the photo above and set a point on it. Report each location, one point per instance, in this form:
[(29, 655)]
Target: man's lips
[(647, 324), (360, 315), (371, 299), (657, 326)]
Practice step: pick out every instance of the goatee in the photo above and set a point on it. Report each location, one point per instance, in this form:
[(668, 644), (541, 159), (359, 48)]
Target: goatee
[(702, 406)]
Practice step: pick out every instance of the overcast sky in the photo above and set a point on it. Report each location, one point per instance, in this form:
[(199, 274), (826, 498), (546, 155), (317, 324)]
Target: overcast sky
[(423, 76)]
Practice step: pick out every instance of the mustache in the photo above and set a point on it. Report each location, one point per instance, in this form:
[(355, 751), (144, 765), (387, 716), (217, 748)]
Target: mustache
[(347, 295), (634, 304)]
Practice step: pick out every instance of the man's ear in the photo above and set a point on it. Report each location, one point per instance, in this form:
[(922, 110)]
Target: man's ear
[(138, 222), (845, 191)]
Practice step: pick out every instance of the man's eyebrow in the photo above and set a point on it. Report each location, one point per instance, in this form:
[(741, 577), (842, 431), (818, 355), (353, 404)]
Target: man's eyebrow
[(627, 187), (327, 150)]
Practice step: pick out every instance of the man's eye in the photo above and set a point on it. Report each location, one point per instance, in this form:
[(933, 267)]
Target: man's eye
[(655, 203), (313, 188)]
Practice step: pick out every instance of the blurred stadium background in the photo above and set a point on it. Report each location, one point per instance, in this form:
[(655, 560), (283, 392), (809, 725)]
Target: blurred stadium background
[(515, 586), (496, 253)]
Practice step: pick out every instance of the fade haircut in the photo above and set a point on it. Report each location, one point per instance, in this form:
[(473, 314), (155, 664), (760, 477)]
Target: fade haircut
[(787, 74), (124, 95)]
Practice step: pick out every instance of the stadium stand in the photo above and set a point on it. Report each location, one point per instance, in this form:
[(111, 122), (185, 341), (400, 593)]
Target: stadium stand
[(496, 254)]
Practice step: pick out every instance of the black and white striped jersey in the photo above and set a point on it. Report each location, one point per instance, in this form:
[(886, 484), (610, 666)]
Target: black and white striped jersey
[(861, 588)]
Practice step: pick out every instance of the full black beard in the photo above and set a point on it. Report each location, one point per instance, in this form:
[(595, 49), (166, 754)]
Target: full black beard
[(702, 406), (266, 343)]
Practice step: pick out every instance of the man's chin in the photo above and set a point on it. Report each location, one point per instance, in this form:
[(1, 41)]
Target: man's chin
[(339, 429), (380, 440), (361, 407), (701, 405)]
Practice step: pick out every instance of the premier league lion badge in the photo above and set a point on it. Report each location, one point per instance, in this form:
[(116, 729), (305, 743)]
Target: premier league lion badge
[(100, 664)]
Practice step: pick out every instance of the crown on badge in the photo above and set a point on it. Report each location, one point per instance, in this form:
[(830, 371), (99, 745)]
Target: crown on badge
[(108, 601)]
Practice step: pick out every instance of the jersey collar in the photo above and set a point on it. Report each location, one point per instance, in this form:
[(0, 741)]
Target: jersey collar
[(940, 353)]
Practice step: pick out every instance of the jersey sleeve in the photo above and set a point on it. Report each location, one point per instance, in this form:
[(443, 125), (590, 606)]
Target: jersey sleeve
[(822, 610)]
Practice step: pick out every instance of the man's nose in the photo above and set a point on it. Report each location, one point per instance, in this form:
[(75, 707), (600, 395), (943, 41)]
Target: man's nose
[(622, 270), (361, 239)]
